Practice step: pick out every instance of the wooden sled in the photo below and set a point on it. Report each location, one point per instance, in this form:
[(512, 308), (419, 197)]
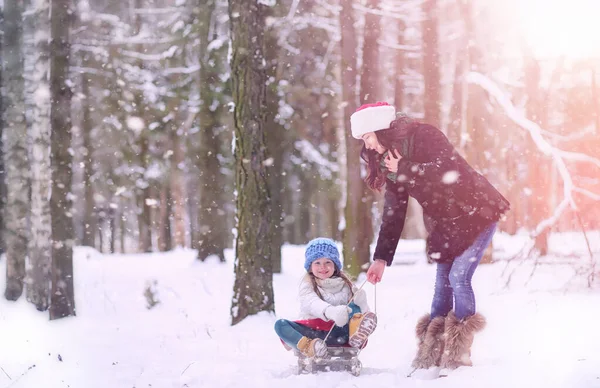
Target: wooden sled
[(339, 358)]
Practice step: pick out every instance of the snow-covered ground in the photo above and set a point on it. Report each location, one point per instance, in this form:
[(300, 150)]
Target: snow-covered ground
[(542, 332)]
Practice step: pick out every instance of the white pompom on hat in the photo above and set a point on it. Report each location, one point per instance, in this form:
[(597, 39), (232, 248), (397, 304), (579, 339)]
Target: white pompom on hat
[(371, 118)]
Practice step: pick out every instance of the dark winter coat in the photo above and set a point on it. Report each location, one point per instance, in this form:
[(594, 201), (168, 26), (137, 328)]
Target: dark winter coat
[(458, 202)]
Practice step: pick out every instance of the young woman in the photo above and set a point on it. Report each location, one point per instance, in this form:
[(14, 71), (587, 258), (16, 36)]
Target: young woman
[(461, 210)]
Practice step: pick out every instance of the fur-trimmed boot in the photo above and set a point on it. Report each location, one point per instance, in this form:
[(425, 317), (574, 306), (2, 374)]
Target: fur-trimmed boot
[(314, 347), (430, 334), (361, 326), (459, 335)]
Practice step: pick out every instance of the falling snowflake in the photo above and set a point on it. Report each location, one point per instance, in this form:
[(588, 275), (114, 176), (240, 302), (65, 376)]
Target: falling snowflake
[(450, 177)]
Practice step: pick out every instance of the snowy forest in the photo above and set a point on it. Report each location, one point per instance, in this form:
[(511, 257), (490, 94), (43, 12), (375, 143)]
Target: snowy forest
[(124, 111), (212, 126)]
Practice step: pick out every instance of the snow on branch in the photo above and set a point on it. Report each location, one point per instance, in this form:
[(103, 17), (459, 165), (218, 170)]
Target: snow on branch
[(572, 136), (395, 6), (542, 144), (181, 70), (312, 155), (379, 12), (156, 11), (587, 193), (169, 53), (90, 70), (403, 47), (579, 157)]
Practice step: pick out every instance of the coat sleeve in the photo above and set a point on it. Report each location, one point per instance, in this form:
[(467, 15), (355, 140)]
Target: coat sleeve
[(310, 303), (435, 159), (394, 213)]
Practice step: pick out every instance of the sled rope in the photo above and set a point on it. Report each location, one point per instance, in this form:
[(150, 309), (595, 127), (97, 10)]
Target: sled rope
[(350, 301)]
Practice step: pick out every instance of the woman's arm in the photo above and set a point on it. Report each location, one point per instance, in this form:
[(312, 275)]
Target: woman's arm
[(394, 213)]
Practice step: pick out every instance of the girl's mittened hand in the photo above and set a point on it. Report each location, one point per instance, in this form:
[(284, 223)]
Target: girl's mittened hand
[(338, 314), (360, 299)]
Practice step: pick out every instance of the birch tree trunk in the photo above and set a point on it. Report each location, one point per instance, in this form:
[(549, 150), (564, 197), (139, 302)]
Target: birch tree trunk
[(253, 287), (62, 298), (14, 139), (40, 247)]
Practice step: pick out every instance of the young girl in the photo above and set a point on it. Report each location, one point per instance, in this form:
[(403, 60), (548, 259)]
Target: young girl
[(325, 293)]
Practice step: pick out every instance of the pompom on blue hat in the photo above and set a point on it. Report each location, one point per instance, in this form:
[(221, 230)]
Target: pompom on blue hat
[(321, 247)]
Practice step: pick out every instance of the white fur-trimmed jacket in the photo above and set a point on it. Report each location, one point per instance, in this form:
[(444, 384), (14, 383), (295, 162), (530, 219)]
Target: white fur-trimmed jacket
[(335, 292)]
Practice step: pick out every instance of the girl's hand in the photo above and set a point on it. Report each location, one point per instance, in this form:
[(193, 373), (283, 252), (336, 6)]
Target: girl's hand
[(391, 162), (339, 314)]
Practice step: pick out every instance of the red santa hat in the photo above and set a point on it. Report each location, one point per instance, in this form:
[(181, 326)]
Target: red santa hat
[(371, 118)]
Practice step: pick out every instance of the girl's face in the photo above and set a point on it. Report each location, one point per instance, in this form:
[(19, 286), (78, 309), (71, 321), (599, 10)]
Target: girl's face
[(322, 268), (372, 143)]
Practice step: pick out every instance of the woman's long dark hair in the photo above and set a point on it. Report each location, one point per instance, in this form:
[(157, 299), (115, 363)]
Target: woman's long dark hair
[(391, 139)]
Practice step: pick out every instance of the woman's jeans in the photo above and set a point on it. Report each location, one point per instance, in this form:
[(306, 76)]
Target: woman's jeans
[(453, 280), (291, 332)]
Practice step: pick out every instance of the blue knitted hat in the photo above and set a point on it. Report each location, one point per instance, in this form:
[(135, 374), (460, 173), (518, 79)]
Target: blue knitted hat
[(319, 248)]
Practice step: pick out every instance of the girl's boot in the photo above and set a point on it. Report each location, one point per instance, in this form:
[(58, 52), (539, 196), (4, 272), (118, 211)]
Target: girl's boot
[(430, 334), (314, 347), (361, 326)]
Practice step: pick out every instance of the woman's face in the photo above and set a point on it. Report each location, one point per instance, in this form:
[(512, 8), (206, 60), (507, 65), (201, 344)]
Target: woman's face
[(322, 268), (372, 143)]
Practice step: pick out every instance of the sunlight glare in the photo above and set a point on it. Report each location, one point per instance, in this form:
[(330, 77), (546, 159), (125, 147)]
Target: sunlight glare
[(569, 28)]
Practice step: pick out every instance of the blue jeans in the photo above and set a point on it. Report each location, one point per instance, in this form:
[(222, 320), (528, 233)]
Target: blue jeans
[(291, 332), (453, 280)]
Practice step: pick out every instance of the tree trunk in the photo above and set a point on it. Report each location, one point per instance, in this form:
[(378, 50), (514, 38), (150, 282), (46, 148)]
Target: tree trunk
[(537, 164), (113, 228), (369, 77), (177, 182), (14, 138), (369, 93), (253, 287), (399, 76), (457, 111), (144, 194), (356, 241), (596, 98), (277, 144), (431, 63), (62, 297), (89, 219), (477, 118), (2, 169), (211, 233), (38, 285), (144, 211), (164, 231)]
